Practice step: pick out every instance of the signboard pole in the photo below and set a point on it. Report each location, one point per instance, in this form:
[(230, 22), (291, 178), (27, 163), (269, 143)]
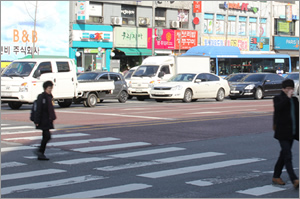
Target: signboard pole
[(34, 32)]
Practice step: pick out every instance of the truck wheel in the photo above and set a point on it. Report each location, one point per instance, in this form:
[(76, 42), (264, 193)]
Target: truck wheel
[(140, 98), (65, 103), (91, 100), (123, 97), (188, 95), (259, 94), (220, 95), (85, 104), (14, 105)]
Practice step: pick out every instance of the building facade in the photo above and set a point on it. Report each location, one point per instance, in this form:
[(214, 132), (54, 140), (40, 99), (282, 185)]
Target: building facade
[(104, 32)]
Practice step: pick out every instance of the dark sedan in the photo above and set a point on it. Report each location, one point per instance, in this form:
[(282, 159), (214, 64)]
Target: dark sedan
[(120, 91), (236, 77), (257, 85)]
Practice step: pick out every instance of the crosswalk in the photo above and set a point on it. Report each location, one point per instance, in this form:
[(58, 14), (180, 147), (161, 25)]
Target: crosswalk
[(162, 162)]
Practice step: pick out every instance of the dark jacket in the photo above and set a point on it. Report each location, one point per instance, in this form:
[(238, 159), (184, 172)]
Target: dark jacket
[(44, 114), (282, 119)]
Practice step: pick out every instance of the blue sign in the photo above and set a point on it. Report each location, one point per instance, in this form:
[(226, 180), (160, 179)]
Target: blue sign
[(286, 43), (254, 44)]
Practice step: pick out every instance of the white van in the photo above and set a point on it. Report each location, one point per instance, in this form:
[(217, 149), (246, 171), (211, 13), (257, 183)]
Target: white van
[(23, 79), (157, 69)]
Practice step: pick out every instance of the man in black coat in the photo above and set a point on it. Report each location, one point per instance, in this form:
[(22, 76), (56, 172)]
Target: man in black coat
[(44, 117), (286, 127)]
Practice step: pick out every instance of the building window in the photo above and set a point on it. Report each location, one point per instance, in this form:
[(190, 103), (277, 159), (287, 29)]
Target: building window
[(183, 18), (284, 28), (128, 14), (231, 25), (160, 17), (263, 27), (208, 23), (220, 24), (95, 13), (252, 26), (242, 26)]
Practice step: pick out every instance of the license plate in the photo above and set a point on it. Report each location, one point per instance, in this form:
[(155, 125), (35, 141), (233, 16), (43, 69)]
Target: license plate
[(159, 93), (235, 92), (139, 90)]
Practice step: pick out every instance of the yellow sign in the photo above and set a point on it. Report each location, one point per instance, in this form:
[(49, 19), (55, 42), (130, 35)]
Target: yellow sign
[(4, 64)]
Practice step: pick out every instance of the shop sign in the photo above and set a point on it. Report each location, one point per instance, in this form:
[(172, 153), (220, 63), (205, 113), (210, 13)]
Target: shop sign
[(286, 43), (130, 37), (167, 39), (241, 42), (288, 13), (254, 44), (197, 6), (189, 39), (82, 10), (26, 50), (238, 6), (100, 36)]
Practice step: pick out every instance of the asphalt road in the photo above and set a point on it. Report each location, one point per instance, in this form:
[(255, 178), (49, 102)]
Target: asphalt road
[(205, 149)]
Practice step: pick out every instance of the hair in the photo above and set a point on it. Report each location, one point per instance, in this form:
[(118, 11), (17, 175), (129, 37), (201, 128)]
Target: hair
[(47, 84), (288, 83)]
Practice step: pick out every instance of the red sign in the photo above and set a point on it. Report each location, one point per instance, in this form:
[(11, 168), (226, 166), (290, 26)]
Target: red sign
[(197, 7), (166, 42), (196, 20), (189, 39)]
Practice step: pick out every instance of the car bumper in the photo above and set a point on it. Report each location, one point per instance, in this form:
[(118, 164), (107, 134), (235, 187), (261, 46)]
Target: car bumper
[(16, 97), (157, 94), (138, 91), (241, 93)]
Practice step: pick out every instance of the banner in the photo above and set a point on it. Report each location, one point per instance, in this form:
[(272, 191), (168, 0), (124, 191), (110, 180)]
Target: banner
[(197, 6), (189, 38), (241, 42), (130, 37), (167, 39)]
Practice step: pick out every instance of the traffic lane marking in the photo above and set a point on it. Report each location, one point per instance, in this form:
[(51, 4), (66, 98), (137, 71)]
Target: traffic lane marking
[(259, 191)]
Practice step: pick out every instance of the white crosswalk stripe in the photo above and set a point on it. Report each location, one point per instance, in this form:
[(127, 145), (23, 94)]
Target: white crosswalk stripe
[(17, 127), (108, 147), (53, 136), (30, 174), (259, 191), (106, 191), (23, 132), (4, 124), (11, 164), (17, 148), (160, 161), (48, 184), (81, 160)]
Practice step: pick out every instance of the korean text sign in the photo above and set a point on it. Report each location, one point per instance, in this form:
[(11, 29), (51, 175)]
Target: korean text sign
[(167, 39)]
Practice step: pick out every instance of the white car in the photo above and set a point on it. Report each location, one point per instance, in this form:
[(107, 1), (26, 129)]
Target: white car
[(190, 87)]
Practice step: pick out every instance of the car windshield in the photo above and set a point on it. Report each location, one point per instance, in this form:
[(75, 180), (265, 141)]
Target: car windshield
[(253, 78), (129, 74), (293, 76), (87, 76), (182, 78), (235, 78), (18, 69), (145, 71)]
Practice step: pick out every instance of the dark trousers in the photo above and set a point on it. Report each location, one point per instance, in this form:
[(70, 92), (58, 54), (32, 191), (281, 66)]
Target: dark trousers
[(285, 159), (45, 140)]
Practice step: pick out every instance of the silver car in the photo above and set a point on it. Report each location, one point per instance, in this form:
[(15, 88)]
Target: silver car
[(294, 76)]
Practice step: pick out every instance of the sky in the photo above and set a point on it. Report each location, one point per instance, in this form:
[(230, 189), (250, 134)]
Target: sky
[(52, 27)]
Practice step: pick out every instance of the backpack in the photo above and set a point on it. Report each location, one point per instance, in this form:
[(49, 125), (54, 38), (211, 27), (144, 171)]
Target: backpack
[(33, 110)]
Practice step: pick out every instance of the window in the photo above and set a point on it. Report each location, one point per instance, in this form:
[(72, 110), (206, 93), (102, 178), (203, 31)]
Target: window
[(128, 15), (274, 77), (165, 69), (203, 77), (284, 28), (208, 23), (258, 64), (263, 27), (63, 66), (242, 26), (104, 76), (212, 77), (45, 67), (252, 26), (160, 17), (231, 25), (183, 18), (115, 77), (95, 13), (220, 25)]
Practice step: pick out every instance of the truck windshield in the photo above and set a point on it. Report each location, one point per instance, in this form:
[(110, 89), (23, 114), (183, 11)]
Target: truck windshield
[(187, 77), (18, 69), (146, 71)]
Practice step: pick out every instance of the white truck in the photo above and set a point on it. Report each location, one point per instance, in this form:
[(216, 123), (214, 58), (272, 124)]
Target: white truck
[(157, 69), (23, 79)]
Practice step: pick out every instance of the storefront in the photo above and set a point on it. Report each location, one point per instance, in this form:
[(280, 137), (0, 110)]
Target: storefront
[(91, 46), (130, 46), (288, 45)]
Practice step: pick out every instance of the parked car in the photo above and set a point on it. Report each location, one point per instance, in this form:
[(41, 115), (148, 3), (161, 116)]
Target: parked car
[(120, 92), (190, 87), (257, 85), (294, 76), (128, 76), (236, 77)]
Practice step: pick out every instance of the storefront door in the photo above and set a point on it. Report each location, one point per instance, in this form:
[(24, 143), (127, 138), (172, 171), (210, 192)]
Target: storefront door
[(89, 60)]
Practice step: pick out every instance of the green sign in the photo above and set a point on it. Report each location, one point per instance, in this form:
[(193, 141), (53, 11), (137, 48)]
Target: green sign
[(130, 37), (283, 27)]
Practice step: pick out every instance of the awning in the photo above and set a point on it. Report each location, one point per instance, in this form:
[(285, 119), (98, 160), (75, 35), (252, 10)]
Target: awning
[(136, 51)]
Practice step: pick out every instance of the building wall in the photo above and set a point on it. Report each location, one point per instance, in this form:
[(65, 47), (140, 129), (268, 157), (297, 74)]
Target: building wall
[(110, 10)]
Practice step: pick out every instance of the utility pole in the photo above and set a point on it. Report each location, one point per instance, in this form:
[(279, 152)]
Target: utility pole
[(259, 25), (34, 30), (226, 29), (271, 23)]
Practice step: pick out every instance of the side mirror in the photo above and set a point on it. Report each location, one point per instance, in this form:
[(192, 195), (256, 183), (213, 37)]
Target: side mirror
[(161, 74), (198, 80), (37, 74)]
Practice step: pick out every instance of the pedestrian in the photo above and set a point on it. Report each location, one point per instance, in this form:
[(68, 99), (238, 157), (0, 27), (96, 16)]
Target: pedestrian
[(44, 117), (286, 127)]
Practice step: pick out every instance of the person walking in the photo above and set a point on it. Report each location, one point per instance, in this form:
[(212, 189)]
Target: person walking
[(286, 127), (44, 117)]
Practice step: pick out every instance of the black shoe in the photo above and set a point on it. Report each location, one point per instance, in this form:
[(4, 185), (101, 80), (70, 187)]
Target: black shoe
[(42, 157)]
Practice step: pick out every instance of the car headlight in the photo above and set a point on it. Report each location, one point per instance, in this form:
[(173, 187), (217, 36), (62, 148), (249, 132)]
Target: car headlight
[(129, 84), (178, 87), (23, 87), (250, 87)]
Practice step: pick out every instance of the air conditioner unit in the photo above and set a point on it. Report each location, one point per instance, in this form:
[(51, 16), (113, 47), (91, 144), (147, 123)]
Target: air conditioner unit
[(144, 21), (116, 20), (174, 24)]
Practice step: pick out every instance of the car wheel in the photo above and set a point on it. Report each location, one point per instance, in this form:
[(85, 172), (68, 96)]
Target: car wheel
[(123, 97), (259, 94), (91, 100), (159, 100), (65, 103), (140, 98), (14, 105), (220, 95), (188, 95)]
